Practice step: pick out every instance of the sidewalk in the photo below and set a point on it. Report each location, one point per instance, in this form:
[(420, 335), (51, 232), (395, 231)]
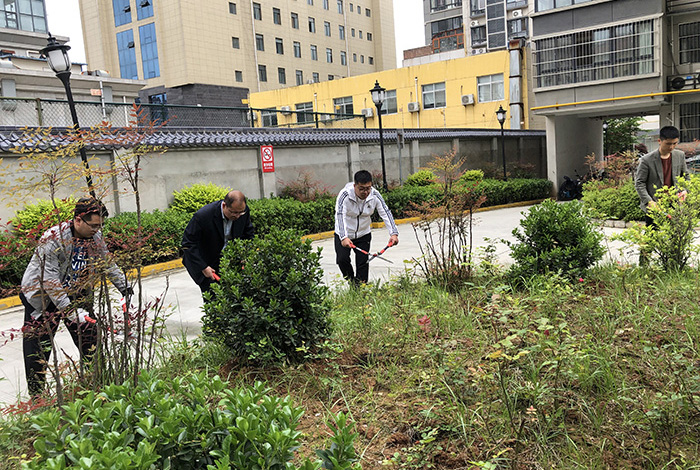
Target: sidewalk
[(185, 300)]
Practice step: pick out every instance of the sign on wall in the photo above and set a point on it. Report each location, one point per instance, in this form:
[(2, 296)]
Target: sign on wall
[(268, 158)]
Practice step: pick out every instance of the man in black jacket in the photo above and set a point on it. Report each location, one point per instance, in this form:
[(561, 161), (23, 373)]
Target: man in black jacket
[(210, 229)]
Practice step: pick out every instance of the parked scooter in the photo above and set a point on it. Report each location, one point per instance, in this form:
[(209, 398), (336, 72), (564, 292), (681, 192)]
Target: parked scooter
[(571, 189)]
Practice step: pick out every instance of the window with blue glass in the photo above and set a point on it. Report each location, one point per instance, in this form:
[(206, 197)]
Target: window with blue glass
[(149, 51), (127, 55), (122, 12), (144, 9)]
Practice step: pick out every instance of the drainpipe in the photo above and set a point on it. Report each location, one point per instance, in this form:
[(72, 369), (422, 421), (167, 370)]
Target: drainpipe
[(255, 48), (515, 83), (415, 84)]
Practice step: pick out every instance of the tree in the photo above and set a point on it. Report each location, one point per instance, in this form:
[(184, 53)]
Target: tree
[(621, 134)]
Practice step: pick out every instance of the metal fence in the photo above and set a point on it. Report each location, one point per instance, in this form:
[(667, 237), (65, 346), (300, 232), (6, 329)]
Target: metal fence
[(35, 112)]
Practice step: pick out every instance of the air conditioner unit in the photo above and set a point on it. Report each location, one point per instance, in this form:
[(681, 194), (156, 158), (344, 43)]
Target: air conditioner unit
[(480, 50), (367, 112), (326, 117), (517, 13), (683, 82), (467, 99), (474, 23), (413, 107), (286, 110)]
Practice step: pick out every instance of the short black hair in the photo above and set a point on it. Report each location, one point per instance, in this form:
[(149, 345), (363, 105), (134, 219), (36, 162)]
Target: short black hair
[(669, 132), (87, 206), (363, 177)]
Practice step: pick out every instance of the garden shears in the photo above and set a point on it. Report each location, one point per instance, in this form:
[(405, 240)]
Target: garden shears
[(372, 255)]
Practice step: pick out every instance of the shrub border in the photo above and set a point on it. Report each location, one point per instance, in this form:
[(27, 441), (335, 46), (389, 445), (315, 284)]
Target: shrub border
[(10, 302)]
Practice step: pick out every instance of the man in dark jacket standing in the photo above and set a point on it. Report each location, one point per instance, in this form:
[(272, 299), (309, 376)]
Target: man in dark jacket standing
[(210, 229)]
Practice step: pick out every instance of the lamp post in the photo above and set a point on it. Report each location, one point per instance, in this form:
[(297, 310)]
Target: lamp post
[(605, 136), (501, 116), (378, 96), (57, 56)]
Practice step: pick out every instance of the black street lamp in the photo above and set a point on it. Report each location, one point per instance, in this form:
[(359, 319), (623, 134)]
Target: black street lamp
[(56, 55), (605, 138), (378, 96), (501, 116)]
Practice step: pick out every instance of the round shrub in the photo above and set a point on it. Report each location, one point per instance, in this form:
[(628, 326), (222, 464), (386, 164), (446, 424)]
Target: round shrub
[(472, 175), (421, 178), (192, 198), (616, 202), (555, 237), (270, 304), (35, 218)]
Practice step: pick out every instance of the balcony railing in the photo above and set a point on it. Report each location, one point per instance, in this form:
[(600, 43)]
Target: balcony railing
[(448, 41)]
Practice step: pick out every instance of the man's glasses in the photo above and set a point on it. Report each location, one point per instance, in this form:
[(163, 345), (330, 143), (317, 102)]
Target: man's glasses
[(94, 226)]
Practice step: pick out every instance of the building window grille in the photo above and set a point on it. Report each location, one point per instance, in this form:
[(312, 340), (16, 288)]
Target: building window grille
[(689, 114), (689, 42), (600, 54)]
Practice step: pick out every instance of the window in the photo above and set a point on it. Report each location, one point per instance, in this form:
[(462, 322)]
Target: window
[(371, 60), (359, 10), (354, 57), (127, 55), (352, 32), (689, 40), (689, 121), (232, 8), (312, 25), (543, 5), (359, 33), (343, 58), (297, 49), (477, 6), (448, 24), (236, 43), (343, 105), (304, 112), (279, 45), (239, 75), (259, 42), (517, 28), (369, 36), (300, 77), (329, 55), (144, 9), (439, 5), (257, 11), (262, 73), (434, 96), (316, 77), (331, 77), (352, 7), (368, 13), (327, 28), (340, 6), (326, 4), (310, 2), (276, 16), (390, 105), (478, 35), (121, 8), (598, 54), (268, 117), (341, 31), (295, 21), (281, 75), (314, 52), (159, 113), (490, 88), (149, 51), (362, 59)]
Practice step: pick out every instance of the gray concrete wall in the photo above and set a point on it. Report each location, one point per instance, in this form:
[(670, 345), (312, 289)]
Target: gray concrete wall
[(240, 168)]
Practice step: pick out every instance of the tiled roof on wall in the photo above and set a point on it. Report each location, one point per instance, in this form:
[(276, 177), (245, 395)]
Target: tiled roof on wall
[(253, 137)]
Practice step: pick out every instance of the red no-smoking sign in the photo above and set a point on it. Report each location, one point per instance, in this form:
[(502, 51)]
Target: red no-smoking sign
[(268, 158)]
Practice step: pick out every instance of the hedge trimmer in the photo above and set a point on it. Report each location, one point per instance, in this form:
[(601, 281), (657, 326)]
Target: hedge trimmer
[(373, 255)]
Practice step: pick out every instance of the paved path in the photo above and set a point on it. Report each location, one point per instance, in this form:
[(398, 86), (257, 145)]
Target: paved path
[(185, 300)]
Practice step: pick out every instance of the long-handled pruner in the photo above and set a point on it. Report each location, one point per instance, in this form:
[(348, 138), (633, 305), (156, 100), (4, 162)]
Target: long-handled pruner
[(378, 255), (371, 256)]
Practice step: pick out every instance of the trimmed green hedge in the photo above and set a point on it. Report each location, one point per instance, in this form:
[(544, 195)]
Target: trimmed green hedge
[(619, 202), (164, 229)]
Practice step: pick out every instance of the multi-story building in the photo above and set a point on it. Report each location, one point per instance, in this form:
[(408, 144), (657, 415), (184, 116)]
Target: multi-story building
[(596, 59), (444, 25), (492, 23), (187, 51)]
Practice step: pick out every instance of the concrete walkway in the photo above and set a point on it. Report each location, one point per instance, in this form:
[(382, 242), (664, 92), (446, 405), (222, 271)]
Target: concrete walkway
[(185, 300)]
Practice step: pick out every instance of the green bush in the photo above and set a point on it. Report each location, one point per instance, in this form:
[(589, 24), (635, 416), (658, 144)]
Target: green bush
[(514, 190), (35, 218), (273, 214), (555, 237), (399, 200), (162, 233), (270, 304), (192, 198), (421, 178), (472, 175), (193, 422), (619, 202), (15, 253)]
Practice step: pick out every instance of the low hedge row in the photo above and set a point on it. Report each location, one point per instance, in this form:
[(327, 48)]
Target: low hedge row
[(163, 229), (618, 202)]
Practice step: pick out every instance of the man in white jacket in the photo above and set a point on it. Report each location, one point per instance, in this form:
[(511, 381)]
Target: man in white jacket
[(353, 211)]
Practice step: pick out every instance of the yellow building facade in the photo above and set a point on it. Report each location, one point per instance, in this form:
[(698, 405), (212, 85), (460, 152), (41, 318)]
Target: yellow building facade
[(457, 93)]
